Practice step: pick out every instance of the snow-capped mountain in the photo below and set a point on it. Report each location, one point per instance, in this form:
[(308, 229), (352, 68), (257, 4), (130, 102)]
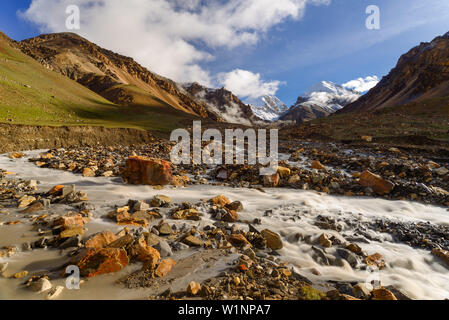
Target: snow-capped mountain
[(223, 103), (320, 100), (268, 108)]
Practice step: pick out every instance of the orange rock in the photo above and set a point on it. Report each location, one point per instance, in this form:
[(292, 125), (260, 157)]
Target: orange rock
[(271, 181), (443, 255), (383, 294), (100, 240), (376, 260), (143, 252), (88, 173), (147, 171), (56, 190), (220, 200), (317, 165), (238, 240), (165, 267), (231, 216), (72, 221), (193, 288), (375, 182), (103, 261)]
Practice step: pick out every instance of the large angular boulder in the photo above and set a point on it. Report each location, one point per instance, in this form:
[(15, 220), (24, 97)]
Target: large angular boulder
[(103, 261), (376, 182), (147, 171)]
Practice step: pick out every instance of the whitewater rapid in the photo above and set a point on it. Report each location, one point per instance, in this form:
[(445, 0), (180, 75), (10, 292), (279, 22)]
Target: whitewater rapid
[(415, 272)]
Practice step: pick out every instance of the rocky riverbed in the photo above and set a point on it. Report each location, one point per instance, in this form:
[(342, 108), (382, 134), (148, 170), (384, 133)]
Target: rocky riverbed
[(315, 230)]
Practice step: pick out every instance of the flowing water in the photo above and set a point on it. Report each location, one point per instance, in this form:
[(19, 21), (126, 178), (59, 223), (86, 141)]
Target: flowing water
[(293, 212)]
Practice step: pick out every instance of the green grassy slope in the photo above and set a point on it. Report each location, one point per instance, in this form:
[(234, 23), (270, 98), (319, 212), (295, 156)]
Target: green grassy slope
[(31, 94)]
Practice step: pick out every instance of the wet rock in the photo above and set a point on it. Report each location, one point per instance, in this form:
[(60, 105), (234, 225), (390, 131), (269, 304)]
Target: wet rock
[(354, 248), (100, 240), (383, 294), (284, 172), (318, 166), (165, 229), (273, 239), (376, 182), (121, 242), (25, 201), (361, 291), (88, 173), (376, 260), (72, 242), (188, 214), (70, 221), (71, 232), (56, 190), (442, 254), (238, 240), (324, 241), (193, 241), (144, 253), (220, 200), (347, 255), (103, 261), (35, 207), (236, 206), (3, 267), (164, 248), (230, 216), (41, 285), (20, 275), (271, 181), (193, 288), (16, 155), (54, 292), (160, 201), (147, 171), (141, 206), (165, 267), (441, 171)]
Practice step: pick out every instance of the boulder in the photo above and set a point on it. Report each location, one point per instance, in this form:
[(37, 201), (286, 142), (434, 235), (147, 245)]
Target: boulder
[(383, 294), (324, 241), (193, 241), (220, 200), (443, 255), (238, 240), (100, 240), (56, 190), (70, 221), (271, 181), (147, 171), (25, 201), (160, 201), (235, 206), (103, 261), (146, 254), (274, 241), (41, 285), (376, 182), (284, 172), (188, 214), (230, 216), (376, 260)]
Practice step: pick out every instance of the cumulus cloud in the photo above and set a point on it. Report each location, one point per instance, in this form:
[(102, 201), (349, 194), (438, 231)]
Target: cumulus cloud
[(246, 84), (362, 84), (170, 37)]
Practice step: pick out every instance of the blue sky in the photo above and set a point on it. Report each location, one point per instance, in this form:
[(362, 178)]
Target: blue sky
[(283, 53)]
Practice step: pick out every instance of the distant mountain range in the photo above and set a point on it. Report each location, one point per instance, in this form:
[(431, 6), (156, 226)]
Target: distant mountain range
[(420, 75), (319, 101)]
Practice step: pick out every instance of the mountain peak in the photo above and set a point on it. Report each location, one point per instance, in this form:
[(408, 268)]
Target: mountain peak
[(268, 107)]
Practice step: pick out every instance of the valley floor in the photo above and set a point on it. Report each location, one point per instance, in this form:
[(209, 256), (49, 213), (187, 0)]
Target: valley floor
[(403, 233)]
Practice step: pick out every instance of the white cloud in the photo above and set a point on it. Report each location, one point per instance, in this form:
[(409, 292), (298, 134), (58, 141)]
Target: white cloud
[(362, 84), (170, 37), (246, 84)]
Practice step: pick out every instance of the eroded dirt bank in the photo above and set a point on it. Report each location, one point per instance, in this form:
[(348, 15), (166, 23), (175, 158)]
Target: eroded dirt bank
[(23, 137)]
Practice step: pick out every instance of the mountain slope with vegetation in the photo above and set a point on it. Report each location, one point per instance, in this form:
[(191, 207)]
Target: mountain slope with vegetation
[(32, 94)]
